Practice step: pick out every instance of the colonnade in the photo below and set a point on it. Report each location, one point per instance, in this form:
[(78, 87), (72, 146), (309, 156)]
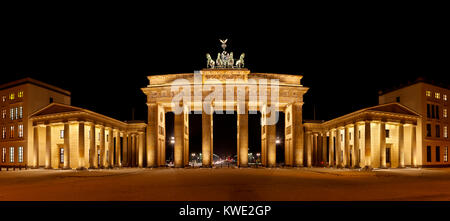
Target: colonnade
[(371, 143), (156, 137), (75, 144)]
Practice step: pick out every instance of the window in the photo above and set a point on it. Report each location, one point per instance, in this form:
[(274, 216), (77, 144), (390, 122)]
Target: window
[(61, 134), (397, 99), (428, 130), (438, 131), (20, 94), (17, 113), (428, 93), (3, 98), (20, 127), (20, 112), (437, 95), (11, 154), (3, 155), (4, 114), (428, 110), (438, 154), (437, 112), (444, 97), (445, 154), (387, 133), (61, 155), (428, 153), (444, 112), (4, 133), (11, 113), (432, 111), (445, 132), (11, 96), (11, 132), (20, 155), (51, 100)]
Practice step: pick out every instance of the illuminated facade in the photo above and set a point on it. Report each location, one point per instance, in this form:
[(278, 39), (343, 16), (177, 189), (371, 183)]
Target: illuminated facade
[(234, 84), (18, 100), (431, 102)]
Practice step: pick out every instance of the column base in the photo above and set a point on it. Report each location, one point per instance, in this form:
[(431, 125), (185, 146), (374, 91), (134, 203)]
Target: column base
[(82, 168)]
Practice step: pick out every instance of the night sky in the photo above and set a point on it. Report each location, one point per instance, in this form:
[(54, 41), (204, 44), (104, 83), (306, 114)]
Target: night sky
[(102, 54)]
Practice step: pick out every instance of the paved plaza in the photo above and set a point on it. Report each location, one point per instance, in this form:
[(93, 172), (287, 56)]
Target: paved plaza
[(226, 184)]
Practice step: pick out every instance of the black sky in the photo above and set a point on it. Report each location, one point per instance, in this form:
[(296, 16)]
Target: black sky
[(346, 53)]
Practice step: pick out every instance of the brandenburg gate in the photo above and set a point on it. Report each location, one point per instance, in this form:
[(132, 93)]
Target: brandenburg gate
[(225, 90)]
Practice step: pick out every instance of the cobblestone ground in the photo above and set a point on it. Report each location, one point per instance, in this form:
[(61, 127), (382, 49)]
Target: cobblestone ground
[(226, 184)]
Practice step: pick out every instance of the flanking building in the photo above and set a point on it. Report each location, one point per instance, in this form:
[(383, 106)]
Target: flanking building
[(431, 102), (41, 129)]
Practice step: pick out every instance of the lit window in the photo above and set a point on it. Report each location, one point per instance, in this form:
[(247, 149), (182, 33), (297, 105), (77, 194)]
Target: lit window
[(20, 154), (20, 94), (3, 114), (4, 133), (445, 113), (11, 113), (444, 97), (428, 93), (11, 154), (3, 98), (20, 112), (445, 154), (3, 155), (17, 113), (11, 132), (445, 132), (437, 95), (11, 96), (20, 130), (61, 134), (61, 155)]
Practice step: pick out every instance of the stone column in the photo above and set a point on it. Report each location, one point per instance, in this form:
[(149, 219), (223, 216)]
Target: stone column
[(93, 163), (338, 148), (271, 145), (102, 147), (356, 154), (152, 136), (141, 149), (324, 148), (66, 145), (346, 160), (413, 146), (401, 145), (242, 135), (383, 144), (186, 135), (132, 151), (331, 148), (367, 144), (81, 145), (126, 140), (118, 162), (207, 142), (36, 146), (297, 132), (48, 146), (309, 143), (179, 140), (110, 148)]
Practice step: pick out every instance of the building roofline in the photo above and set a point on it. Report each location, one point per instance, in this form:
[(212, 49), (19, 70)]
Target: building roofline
[(35, 82), (411, 83)]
